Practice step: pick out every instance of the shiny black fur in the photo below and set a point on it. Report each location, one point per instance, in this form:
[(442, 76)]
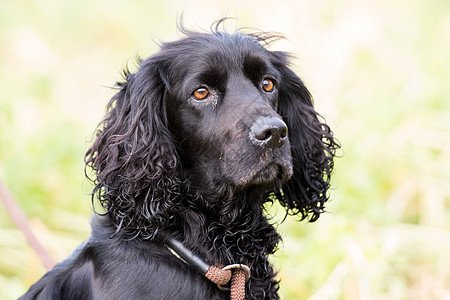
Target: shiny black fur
[(165, 163)]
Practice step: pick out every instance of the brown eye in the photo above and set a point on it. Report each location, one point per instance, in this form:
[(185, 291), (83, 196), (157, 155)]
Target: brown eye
[(201, 93), (267, 85)]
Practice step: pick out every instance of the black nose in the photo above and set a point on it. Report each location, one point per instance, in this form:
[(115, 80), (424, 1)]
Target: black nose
[(269, 132)]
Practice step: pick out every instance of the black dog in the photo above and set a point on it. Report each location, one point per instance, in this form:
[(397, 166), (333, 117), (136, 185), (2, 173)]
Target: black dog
[(195, 142)]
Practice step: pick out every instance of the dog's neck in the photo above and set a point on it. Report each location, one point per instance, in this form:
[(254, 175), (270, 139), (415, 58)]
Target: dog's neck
[(224, 233)]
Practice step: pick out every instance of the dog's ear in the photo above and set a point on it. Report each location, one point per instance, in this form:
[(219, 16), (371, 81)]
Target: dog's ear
[(312, 145), (133, 157)]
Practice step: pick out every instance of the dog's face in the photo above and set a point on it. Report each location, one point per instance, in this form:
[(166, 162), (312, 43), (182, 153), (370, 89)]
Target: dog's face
[(222, 110)]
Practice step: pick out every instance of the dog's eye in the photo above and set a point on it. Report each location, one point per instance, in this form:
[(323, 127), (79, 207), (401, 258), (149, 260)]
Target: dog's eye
[(201, 93), (267, 85)]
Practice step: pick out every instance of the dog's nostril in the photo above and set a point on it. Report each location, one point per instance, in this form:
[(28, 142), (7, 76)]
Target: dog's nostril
[(262, 135), (269, 132)]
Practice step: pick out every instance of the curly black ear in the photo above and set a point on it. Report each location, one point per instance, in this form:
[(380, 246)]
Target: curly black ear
[(133, 157), (312, 144)]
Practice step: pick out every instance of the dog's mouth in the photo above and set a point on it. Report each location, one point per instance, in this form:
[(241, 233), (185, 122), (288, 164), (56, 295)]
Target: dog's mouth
[(268, 174)]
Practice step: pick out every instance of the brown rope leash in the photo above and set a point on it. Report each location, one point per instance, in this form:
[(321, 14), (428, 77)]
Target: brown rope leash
[(237, 289), (239, 274)]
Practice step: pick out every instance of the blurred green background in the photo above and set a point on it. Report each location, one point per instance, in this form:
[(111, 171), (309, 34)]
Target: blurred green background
[(379, 72)]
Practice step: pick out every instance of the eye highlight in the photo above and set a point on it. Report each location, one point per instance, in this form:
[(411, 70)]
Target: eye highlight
[(201, 93), (267, 85)]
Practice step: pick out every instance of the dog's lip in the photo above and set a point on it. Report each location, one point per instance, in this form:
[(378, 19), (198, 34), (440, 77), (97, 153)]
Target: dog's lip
[(268, 173)]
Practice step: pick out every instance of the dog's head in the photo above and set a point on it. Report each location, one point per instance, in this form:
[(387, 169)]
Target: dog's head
[(221, 102), (213, 112)]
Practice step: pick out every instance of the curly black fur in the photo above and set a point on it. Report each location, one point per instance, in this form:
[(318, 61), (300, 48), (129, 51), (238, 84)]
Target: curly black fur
[(165, 163)]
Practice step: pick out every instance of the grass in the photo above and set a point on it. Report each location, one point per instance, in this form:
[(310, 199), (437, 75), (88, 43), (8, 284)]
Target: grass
[(378, 70)]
